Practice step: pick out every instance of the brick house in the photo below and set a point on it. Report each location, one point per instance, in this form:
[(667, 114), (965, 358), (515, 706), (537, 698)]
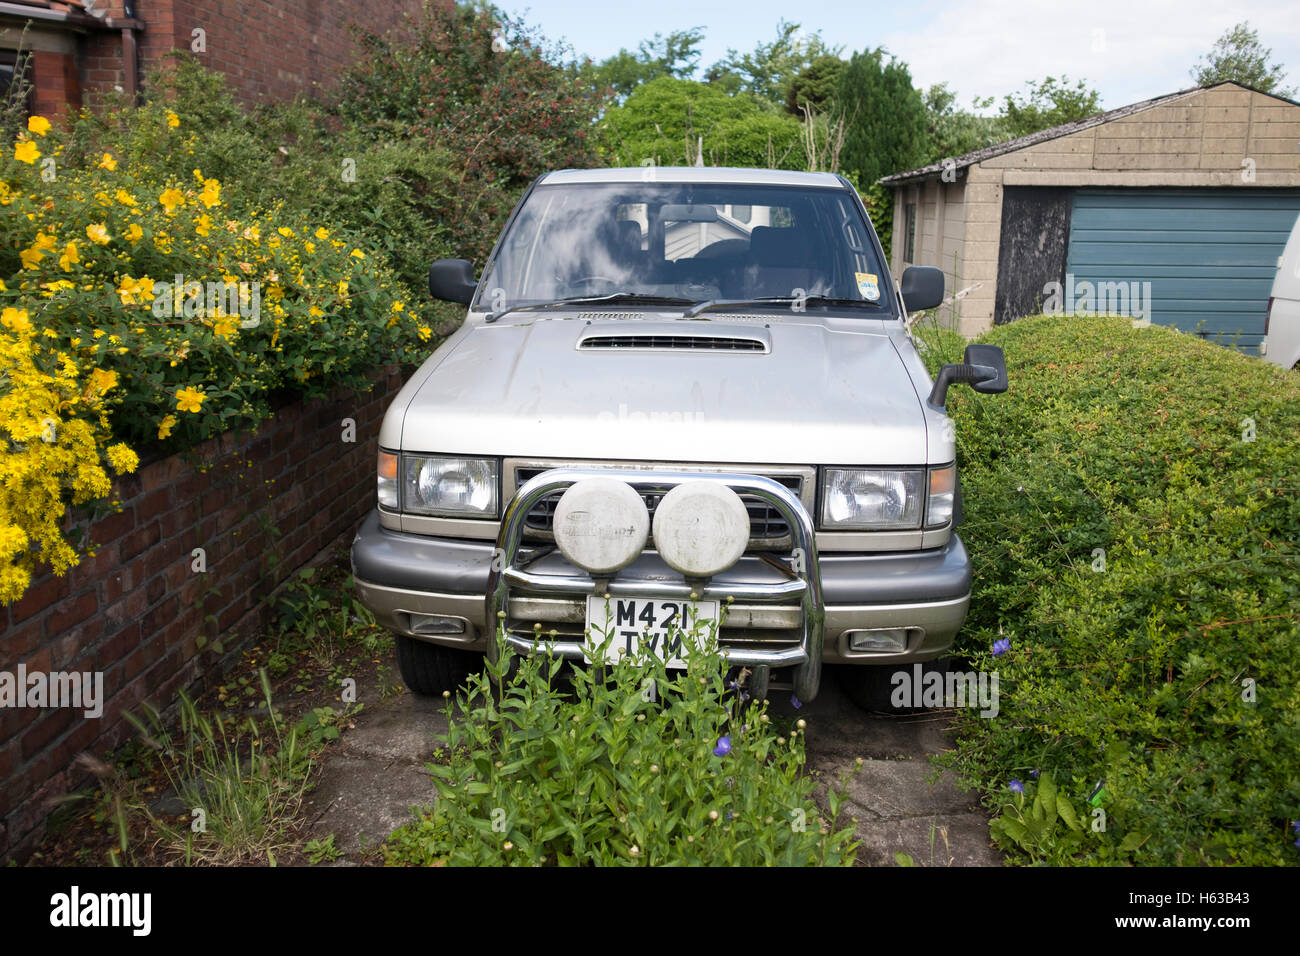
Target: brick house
[(1187, 198), (272, 49)]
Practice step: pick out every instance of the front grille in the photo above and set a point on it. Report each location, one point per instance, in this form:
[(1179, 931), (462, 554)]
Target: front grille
[(766, 525), (694, 343)]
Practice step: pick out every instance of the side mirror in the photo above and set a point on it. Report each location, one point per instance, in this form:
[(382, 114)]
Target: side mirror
[(452, 280), (922, 288), (983, 367)]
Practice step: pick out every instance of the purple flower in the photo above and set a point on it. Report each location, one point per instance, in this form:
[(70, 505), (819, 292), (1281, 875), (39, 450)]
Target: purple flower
[(1001, 647), (1296, 826), (724, 746), (796, 702), (1016, 786), (1034, 774)]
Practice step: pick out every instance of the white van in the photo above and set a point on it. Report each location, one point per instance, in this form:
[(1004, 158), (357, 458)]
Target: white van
[(1281, 344)]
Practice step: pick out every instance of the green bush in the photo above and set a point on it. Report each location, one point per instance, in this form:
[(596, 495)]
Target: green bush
[(626, 767), (1132, 512), (664, 119)]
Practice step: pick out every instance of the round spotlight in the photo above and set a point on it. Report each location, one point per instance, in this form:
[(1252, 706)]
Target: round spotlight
[(701, 528), (601, 524)]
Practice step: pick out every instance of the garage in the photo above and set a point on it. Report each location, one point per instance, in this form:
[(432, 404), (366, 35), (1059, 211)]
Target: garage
[(1209, 255), (1190, 196)]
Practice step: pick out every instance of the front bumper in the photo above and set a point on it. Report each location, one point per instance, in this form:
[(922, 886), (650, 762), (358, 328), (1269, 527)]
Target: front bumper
[(412, 581)]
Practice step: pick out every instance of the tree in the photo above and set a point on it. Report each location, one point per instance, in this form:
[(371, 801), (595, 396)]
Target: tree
[(1238, 57), (885, 117), (955, 132), (1049, 103), (664, 121), (672, 55), (769, 70), (814, 85), (486, 89)]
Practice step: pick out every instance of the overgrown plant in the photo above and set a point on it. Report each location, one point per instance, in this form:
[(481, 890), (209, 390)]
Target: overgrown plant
[(1132, 512), (241, 782), (626, 764)]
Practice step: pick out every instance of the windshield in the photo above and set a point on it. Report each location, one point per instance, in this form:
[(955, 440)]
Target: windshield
[(688, 242)]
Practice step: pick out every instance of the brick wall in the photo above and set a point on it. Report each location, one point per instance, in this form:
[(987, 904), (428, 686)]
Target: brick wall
[(135, 611), (276, 49)]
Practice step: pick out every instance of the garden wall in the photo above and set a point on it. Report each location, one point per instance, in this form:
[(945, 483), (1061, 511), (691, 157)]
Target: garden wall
[(260, 505)]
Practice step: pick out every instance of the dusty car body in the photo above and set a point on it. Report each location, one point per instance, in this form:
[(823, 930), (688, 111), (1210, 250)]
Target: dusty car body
[(674, 329)]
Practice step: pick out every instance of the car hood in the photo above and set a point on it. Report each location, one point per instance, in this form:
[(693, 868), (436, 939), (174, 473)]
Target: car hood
[(793, 392)]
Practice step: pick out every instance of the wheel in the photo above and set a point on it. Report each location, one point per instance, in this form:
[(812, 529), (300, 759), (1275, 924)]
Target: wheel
[(429, 669), (873, 688)]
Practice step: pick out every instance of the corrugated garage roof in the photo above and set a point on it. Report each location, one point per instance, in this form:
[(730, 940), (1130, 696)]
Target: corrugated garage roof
[(1043, 135)]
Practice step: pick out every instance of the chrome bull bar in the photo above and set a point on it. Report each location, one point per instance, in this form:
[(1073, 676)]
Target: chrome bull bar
[(804, 586)]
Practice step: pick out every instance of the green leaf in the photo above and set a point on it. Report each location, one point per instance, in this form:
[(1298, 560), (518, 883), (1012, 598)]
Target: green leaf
[(1066, 810), (902, 859)]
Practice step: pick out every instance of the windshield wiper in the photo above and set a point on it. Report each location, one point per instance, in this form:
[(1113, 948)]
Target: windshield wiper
[(779, 300), (590, 299)]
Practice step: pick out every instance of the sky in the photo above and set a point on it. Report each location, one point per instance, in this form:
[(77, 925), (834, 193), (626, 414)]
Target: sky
[(1129, 50)]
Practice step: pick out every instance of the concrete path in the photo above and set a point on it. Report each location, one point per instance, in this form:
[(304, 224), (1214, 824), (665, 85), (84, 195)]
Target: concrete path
[(374, 774)]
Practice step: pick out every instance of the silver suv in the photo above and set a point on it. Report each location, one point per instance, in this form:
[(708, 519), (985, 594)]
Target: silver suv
[(678, 395)]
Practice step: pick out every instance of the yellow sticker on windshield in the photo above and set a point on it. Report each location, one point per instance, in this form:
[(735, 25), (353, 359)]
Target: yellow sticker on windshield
[(869, 286)]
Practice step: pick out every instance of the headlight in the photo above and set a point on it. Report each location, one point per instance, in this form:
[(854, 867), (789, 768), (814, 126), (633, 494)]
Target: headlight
[(452, 487), (858, 499), (943, 483)]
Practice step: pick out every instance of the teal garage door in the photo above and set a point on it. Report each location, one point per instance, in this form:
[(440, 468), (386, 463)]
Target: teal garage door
[(1209, 254)]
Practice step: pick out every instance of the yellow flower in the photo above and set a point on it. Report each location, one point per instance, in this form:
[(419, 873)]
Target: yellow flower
[(314, 310), (310, 247), (165, 426), (97, 233), (69, 258), (425, 332), (322, 233), (102, 381), (38, 125), (31, 257), (343, 287), (171, 198), (190, 399), (225, 329), (211, 195), (124, 197), (122, 458), (16, 320), (26, 152), (398, 306), (107, 162), (203, 225), (173, 120), (134, 232), (357, 254), (285, 231)]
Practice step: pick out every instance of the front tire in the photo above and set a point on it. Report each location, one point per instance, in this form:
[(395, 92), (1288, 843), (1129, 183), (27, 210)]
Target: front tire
[(429, 669), (872, 687)]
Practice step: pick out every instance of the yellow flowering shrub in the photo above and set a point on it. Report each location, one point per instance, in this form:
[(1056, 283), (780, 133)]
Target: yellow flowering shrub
[(54, 441), (145, 309)]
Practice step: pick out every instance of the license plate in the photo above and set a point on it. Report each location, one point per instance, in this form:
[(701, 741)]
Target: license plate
[(651, 624)]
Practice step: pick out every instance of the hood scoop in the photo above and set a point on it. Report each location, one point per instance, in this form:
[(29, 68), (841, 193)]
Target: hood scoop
[(670, 336)]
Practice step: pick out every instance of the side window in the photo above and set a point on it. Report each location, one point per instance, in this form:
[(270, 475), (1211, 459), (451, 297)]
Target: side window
[(909, 245)]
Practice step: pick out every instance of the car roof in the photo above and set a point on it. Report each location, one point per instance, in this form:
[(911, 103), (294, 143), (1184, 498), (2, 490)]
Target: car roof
[(694, 174)]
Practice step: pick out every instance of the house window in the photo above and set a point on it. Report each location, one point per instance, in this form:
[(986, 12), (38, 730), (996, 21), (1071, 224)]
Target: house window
[(909, 241), (15, 83)]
